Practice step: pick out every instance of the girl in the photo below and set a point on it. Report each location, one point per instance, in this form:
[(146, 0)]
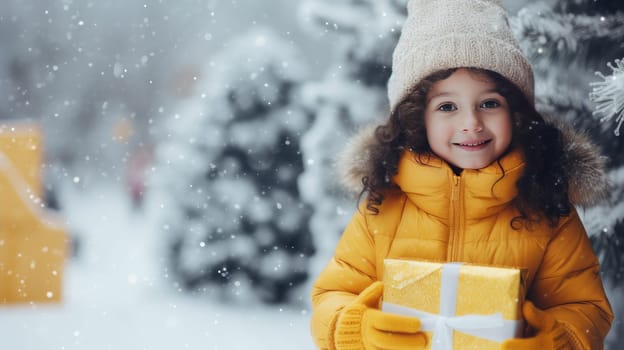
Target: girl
[(465, 169)]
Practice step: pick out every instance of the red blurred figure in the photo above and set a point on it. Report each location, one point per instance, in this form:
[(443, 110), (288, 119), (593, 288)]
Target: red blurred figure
[(136, 176)]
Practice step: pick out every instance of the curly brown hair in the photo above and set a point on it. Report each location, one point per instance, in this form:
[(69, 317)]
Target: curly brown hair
[(542, 188)]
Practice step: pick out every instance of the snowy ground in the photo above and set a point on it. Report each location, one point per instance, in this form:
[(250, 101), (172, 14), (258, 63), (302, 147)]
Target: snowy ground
[(114, 300)]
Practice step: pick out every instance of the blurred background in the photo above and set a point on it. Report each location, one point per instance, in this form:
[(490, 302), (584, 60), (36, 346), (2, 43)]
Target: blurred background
[(172, 163)]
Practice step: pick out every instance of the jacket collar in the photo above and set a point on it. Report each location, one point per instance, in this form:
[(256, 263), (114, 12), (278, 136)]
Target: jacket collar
[(585, 167), (428, 182)]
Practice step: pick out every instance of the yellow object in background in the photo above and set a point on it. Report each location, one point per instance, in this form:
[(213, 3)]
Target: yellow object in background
[(21, 143), (461, 306), (33, 241), (123, 130)]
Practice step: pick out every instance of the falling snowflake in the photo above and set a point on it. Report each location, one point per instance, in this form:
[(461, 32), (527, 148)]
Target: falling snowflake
[(608, 95)]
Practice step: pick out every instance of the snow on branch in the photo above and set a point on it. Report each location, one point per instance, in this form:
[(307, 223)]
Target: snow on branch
[(539, 28), (608, 95), (374, 16), (332, 16)]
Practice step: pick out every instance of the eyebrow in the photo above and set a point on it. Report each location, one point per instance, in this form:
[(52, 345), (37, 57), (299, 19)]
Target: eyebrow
[(442, 94), (439, 95)]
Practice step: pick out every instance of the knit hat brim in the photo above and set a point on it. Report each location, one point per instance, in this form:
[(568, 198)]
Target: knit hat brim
[(463, 50)]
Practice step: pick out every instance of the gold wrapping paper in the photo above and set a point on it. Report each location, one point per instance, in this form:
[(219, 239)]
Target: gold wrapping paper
[(481, 290)]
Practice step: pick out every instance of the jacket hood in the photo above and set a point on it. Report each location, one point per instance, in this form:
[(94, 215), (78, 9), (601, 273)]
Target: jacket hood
[(585, 167)]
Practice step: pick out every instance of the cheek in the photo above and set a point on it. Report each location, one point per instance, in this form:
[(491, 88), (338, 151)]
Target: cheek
[(504, 131), (430, 130), (436, 135), (437, 127)]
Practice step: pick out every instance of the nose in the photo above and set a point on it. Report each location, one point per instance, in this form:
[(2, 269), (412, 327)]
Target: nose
[(471, 121)]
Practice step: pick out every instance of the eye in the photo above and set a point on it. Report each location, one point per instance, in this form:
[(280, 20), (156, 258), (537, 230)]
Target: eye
[(447, 107), (490, 104)]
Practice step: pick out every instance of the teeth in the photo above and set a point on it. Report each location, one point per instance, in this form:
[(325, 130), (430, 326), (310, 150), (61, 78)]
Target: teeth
[(472, 144)]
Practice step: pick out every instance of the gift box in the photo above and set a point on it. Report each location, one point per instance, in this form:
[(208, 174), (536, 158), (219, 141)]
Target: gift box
[(460, 306)]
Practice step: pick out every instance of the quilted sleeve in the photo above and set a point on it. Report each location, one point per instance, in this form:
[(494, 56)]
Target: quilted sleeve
[(350, 271), (568, 285)]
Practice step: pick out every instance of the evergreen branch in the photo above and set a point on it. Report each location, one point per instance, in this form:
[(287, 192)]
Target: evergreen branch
[(333, 17), (384, 17), (605, 226), (609, 245), (557, 101), (539, 29), (608, 95)]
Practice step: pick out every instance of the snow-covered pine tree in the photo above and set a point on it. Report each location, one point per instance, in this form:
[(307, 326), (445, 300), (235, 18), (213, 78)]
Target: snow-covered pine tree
[(567, 42), (227, 176), (608, 95), (351, 94)]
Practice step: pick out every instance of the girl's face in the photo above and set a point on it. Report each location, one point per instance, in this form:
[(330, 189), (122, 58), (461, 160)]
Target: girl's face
[(468, 123)]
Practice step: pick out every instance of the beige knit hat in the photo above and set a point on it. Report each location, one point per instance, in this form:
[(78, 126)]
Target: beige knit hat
[(444, 34)]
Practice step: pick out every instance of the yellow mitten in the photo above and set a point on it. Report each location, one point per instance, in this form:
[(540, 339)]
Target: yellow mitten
[(362, 326), (550, 333)]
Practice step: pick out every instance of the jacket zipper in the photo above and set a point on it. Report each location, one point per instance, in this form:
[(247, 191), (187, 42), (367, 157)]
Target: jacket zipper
[(455, 221)]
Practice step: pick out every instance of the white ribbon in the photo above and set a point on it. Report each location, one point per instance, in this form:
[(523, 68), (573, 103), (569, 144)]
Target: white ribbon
[(492, 327)]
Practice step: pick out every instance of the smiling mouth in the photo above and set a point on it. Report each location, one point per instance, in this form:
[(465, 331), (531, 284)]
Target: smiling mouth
[(472, 143)]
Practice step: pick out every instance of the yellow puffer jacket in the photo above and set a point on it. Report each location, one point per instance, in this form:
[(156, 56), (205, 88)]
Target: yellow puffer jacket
[(440, 216)]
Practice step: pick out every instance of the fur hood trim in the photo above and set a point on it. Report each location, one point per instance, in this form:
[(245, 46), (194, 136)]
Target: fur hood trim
[(588, 184)]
